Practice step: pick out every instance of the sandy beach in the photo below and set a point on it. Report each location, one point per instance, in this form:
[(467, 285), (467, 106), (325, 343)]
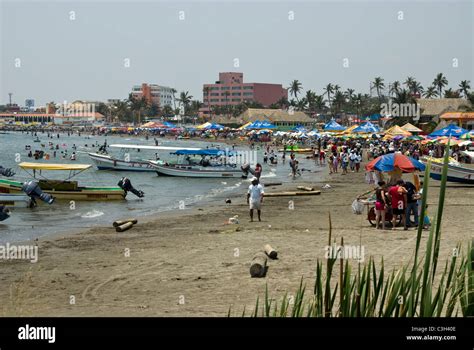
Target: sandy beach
[(193, 263)]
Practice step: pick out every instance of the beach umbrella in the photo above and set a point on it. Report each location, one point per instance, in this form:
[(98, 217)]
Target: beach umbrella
[(467, 136), (415, 138), (203, 126), (300, 128), (451, 130), (244, 126), (396, 130), (169, 125), (411, 128), (465, 143), (394, 161), (214, 126), (367, 128), (452, 142), (333, 126)]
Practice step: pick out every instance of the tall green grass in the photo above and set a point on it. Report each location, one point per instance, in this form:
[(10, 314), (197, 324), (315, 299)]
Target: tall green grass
[(414, 290)]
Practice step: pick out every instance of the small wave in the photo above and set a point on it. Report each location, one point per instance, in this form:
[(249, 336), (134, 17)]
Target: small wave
[(92, 214)]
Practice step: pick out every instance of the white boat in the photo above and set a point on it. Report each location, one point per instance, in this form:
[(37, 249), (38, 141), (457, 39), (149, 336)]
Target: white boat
[(455, 173), (15, 200), (108, 162), (203, 169)]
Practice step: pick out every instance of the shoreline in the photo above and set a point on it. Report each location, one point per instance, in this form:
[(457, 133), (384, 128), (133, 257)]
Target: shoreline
[(195, 264)]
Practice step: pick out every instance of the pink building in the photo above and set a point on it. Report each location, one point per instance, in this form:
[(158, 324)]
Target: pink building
[(231, 90)]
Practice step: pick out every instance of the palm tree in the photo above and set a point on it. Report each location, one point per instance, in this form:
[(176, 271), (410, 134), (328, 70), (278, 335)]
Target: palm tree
[(329, 89), (336, 88), (350, 94), (450, 93), (417, 88), (319, 103), (464, 87), (185, 99), (338, 101), (137, 105), (295, 88), (174, 91), (403, 96), (430, 92), (394, 88), (310, 98), (378, 85), (121, 110), (409, 83), (440, 82)]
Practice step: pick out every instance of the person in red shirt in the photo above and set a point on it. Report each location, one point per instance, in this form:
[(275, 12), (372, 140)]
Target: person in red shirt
[(398, 197)]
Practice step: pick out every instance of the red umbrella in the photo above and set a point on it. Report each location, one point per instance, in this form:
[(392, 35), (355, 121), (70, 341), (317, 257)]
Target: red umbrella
[(392, 161)]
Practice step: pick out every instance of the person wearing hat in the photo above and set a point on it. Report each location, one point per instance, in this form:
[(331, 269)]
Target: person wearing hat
[(255, 197)]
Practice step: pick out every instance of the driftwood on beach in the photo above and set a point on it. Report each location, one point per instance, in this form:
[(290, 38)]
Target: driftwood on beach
[(304, 188), (258, 266), (289, 194), (121, 222), (271, 253), (124, 227)]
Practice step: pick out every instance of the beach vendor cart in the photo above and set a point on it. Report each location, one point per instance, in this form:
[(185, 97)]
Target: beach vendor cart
[(394, 165)]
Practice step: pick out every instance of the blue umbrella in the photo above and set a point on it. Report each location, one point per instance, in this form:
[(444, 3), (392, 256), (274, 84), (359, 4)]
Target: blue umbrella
[(366, 128), (333, 126), (450, 130), (261, 125), (214, 126), (300, 128), (169, 125)]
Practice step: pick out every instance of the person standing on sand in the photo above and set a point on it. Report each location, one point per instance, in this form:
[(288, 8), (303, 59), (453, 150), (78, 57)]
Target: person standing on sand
[(255, 198), (398, 196)]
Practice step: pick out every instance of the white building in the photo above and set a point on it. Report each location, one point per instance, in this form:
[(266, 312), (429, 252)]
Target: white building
[(154, 93)]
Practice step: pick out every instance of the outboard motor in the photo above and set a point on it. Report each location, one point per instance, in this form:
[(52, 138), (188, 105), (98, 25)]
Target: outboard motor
[(126, 185), (4, 213), (6, 171), (32, 189), (246, 169)]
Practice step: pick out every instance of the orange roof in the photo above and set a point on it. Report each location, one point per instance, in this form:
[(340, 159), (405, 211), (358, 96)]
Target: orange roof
[(458, 115)]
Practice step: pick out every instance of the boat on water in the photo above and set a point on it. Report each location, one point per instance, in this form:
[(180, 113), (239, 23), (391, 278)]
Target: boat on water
[(456, 172), (213, 164), (108, 162), (62, 189), (15, 200)]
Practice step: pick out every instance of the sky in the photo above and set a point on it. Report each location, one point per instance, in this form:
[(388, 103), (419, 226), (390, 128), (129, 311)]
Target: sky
[(68, 50)]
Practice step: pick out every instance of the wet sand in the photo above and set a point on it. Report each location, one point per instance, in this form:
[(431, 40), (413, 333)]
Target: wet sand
[(193, 263)]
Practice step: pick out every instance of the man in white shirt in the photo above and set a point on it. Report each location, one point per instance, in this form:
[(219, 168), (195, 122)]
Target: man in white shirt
[(255, 198)]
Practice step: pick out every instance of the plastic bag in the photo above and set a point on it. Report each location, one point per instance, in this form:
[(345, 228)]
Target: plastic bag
[(357, 207)]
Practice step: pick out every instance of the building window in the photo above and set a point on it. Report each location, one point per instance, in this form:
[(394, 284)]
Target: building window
[(248, 93), (214, 88), (225, 88), (235, 87), (214, 94), (214, 100), (236, 94), (236, 100), (248, 87)]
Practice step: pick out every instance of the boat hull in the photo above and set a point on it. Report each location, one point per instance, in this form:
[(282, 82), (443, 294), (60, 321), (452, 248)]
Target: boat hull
[(81, 194), (15, 200), (198, 172), (104, 162), (455, 173)]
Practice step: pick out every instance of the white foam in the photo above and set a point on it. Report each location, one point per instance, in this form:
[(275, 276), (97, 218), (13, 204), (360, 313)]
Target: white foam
[(92, 214)]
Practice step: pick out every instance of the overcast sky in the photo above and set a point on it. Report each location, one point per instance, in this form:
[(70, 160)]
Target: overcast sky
[(49, 53)]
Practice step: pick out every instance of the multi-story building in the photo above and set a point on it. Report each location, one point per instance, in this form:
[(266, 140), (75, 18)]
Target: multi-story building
[(230, 89), (153, 93)]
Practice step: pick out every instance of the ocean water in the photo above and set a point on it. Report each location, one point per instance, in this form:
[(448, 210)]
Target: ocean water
[(161, 193)]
